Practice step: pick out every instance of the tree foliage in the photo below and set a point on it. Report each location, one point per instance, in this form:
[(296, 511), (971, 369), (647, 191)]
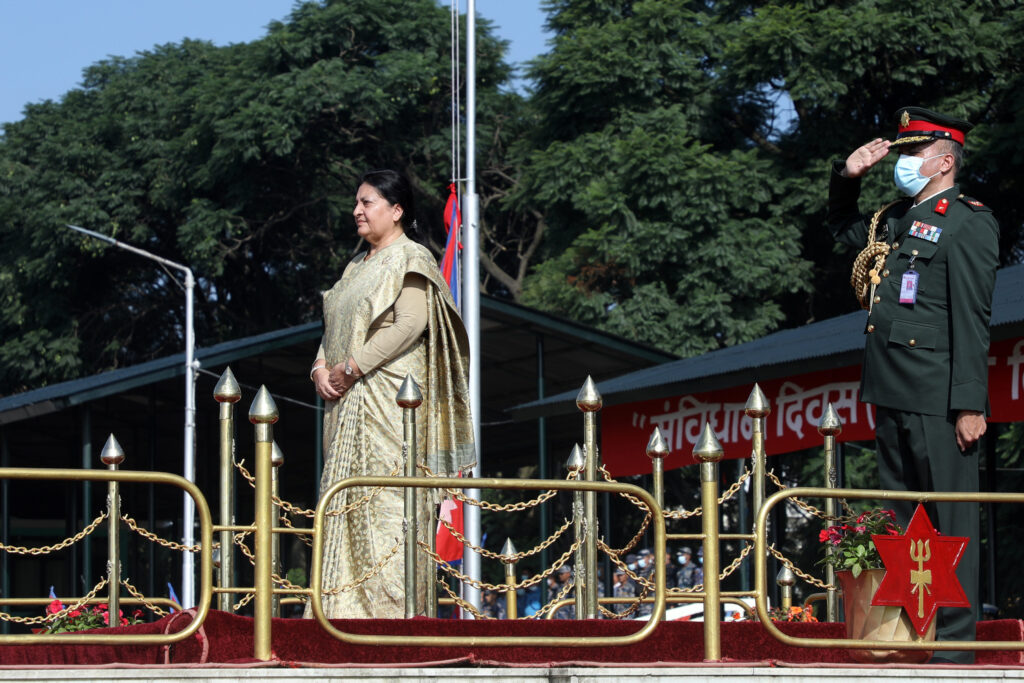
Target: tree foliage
[(664, 179), (682, 150), (240, 161), (667, 226)]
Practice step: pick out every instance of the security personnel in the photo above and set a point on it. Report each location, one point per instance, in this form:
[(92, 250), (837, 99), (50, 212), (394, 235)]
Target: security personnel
[(926, 275)]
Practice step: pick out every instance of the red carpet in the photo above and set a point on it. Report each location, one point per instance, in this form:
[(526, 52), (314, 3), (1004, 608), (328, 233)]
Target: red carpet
[(227, 639)]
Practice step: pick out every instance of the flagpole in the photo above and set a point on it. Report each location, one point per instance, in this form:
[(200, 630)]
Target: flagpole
[(471, 303)]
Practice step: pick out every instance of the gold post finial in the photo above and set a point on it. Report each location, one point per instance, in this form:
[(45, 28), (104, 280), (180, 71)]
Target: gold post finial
[(589, 399), (830, 424), (656, 446), (276, 456), (263, 409), (785, 577), (227, 389), (708, 448), (409, 394), (757, 403), (508, 549), (112, 453), (575, 462)]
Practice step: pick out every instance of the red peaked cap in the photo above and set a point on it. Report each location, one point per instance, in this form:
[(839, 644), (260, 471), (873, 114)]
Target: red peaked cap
[(917, 125)]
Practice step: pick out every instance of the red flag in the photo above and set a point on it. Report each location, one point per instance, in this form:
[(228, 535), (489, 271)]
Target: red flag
[(448, 547), (450, 262)]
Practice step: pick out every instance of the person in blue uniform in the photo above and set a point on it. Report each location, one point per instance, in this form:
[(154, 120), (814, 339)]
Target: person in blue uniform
[(926, 274)]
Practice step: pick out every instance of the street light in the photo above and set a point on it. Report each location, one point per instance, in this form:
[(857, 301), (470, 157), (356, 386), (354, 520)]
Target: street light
[(188, 587)]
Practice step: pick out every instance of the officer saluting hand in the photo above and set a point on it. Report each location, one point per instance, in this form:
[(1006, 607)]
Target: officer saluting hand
[(926, 274)]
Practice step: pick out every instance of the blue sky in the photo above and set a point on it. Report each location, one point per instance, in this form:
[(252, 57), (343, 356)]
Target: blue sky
[(45, 44)]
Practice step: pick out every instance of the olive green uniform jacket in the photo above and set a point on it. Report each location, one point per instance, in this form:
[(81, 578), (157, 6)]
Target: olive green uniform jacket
[(929, 357)]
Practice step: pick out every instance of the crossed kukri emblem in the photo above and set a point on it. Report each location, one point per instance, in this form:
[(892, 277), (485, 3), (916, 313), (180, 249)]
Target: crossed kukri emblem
[(920, 571)]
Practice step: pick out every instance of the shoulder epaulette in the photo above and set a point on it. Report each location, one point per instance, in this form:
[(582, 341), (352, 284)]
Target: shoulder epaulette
[(973, 203)]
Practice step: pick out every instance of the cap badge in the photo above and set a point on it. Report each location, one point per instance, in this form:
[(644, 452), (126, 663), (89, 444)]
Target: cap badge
[(905, 119)]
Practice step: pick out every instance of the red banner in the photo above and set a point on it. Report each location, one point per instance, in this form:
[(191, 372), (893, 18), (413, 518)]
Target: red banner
[(797, 404)]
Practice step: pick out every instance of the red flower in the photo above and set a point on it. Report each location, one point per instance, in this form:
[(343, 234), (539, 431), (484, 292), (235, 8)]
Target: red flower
[(54, 607), (124, 622), (137, 614), (823, 535), (75, 613), (106, 618)]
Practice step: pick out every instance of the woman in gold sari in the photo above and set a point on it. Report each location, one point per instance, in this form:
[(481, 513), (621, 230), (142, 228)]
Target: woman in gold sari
[(390, 314)]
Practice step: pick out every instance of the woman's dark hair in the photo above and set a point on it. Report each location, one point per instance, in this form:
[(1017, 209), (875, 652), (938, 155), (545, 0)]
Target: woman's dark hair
[(396, 189)]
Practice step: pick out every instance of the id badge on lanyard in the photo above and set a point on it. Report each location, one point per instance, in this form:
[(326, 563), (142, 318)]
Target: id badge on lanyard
[(908, 285)]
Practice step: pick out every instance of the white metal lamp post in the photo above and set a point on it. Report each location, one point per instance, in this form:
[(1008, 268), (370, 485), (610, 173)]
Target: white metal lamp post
[(188, 589)]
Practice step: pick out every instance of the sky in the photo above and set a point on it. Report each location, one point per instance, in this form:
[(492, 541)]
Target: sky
[(45, 44)]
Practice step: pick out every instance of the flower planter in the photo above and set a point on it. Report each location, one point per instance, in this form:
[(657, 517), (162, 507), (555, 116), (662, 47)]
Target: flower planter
[(865, 621)]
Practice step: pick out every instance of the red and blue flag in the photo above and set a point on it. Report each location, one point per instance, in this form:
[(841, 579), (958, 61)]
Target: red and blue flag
[(450, 262)]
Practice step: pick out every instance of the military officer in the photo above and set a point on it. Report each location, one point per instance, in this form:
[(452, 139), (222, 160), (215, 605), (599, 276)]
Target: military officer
[(926, 275)]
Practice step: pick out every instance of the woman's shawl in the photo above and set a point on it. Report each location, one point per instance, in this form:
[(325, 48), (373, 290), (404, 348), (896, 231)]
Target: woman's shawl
[(363, 294)]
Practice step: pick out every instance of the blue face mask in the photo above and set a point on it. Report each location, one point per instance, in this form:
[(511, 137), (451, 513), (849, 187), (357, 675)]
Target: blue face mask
[(907, 174)]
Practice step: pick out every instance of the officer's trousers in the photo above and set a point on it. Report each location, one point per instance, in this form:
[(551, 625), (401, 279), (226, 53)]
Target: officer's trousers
[(919, 453)]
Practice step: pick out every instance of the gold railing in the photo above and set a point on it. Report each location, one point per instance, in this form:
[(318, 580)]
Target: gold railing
[(584, 472), (316, 580), (761, 567), (114, 476)]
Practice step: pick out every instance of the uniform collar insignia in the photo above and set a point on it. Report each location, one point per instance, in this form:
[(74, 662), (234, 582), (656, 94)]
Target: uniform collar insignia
[(941, 206)]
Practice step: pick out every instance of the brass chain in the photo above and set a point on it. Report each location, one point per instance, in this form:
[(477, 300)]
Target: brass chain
[(142, 598), (477, 614), (302, 537), (46, 549), (494, 507), (239, 540), (305, 512), (628, 496), (374, 570), (34, 621), (636, 538), (149, 535), (525, 583), (733, 566), (622, 565), (507, 559), (246, 599), (810, 509), (725, 497), (633, 606), (814, 581), (542, 612)]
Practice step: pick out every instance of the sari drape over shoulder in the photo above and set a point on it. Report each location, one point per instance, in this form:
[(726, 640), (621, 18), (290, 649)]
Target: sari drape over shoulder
[(363, 565)]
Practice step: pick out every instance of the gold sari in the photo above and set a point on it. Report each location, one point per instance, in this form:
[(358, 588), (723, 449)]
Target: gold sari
[(364, 553)]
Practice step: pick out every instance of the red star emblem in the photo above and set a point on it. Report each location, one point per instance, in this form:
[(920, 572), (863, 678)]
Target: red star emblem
[(920, 571)]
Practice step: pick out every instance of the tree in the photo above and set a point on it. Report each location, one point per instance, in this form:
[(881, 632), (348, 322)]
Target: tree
[(241, 161), (684, 196), (667, 226), (847, 67)]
